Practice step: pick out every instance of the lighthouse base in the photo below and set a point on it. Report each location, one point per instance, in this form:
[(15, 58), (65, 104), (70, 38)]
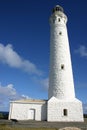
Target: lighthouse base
[(64, 110)]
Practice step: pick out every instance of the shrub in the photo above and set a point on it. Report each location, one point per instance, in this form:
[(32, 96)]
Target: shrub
[(85, 115), (1, 116)]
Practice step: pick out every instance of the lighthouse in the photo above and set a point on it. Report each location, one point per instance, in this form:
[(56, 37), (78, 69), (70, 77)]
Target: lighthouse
[(62, 104)]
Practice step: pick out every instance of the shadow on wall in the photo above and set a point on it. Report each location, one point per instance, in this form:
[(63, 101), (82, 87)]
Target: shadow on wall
[(44, 112)]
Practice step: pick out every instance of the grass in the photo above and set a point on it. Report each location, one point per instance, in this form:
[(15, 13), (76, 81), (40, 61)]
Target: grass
[(6, 127)]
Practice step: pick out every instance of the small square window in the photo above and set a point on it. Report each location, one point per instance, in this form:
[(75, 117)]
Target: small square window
[(62, 66)]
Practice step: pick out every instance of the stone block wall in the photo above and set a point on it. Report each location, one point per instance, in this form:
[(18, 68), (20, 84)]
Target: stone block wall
[(20, 111), (63, 110)]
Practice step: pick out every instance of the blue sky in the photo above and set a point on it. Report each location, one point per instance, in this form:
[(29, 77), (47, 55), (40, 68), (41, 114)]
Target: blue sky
[(24, 47)]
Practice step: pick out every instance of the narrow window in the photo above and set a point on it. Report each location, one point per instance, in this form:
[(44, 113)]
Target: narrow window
[(65, 112), (59, 20), (60, 33), (62, 67), (57, 8)]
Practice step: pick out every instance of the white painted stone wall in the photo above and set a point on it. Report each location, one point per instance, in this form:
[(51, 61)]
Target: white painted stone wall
[(55, 109), (20, 110), (61, 83)]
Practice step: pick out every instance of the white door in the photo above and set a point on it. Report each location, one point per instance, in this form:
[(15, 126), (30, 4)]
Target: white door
[(31, 114)]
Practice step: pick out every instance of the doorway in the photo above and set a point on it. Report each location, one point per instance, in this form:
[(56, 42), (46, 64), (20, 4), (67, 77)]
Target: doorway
[(31, 114)]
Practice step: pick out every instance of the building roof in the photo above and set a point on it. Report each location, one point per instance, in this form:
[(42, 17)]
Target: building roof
[(30, 101)]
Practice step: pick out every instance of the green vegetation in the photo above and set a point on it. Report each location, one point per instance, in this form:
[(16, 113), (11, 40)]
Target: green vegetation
[(5, 127), (3, 115), (85, 115)]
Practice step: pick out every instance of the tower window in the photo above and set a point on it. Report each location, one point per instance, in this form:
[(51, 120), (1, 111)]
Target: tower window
[(58, 19), (65, 112), (60, 33), (62, 67)]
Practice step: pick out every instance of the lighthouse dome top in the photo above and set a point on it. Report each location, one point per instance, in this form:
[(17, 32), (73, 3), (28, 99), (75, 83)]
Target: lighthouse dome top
[(58, 13), (58, 8)]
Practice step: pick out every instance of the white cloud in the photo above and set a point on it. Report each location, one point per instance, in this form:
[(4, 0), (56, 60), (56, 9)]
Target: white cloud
[(44, 83), (82, 50), (13, 59), (25, 97), (8, 93)]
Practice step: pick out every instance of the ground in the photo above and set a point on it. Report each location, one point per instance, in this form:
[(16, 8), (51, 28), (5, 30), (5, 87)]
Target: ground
[(44, 124)]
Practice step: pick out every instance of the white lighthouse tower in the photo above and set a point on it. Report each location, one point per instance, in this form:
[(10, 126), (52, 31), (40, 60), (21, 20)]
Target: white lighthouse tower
[(62, 104)]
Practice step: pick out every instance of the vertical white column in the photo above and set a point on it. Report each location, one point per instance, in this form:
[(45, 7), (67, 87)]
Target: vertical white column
[(61, 83)]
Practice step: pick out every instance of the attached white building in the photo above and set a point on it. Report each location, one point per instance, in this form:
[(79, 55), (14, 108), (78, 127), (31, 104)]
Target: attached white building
[(28, 110), (62, 104)]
